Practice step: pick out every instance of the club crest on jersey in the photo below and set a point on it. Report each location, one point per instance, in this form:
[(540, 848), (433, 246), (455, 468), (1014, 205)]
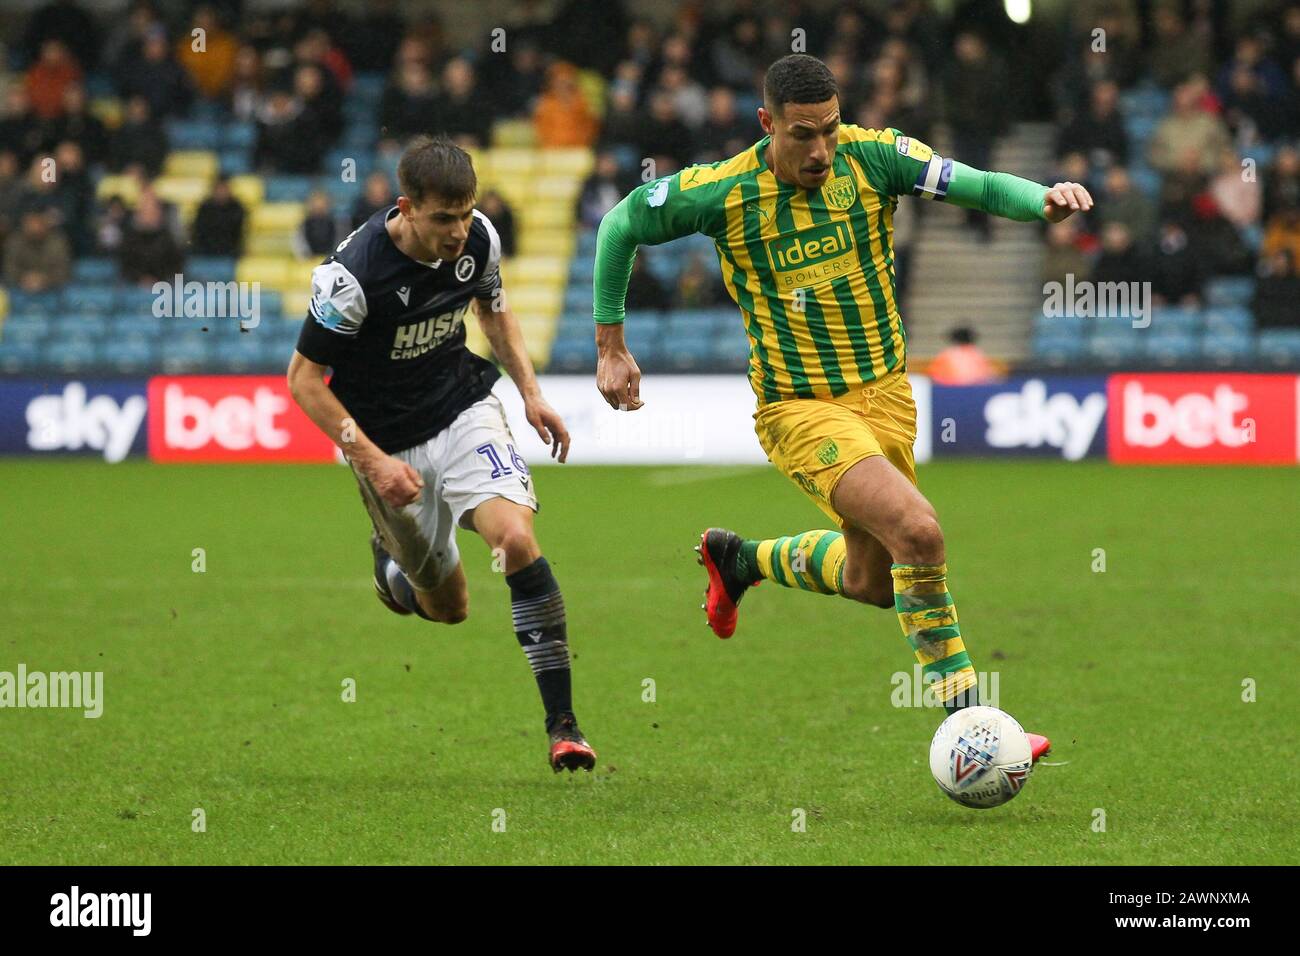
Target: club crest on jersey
[(464, 268), (839, 193), (404, 293)]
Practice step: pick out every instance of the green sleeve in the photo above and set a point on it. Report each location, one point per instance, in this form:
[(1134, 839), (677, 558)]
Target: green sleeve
[(1000, 194), (656, 212), (907, 166)]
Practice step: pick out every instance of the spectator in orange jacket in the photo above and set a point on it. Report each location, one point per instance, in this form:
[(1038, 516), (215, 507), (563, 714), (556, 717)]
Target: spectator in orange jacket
[(48, 77), (563, 117), (963, 362), (212, 66)]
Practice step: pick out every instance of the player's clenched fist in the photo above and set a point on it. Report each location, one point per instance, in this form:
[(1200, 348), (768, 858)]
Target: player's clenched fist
[(397, 482), (619, 380)]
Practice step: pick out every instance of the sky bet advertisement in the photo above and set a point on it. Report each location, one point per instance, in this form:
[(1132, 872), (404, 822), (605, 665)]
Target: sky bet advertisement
[(1163, 418)]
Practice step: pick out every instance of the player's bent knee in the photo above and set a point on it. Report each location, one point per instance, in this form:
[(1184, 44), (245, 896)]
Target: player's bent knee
[(919, 541), (519, 544)]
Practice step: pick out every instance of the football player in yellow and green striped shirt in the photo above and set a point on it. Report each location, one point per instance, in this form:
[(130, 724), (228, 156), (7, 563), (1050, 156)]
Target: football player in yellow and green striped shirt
[(803, 224)]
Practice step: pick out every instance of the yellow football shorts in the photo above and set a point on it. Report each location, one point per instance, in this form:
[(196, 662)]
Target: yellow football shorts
[(814, 441)]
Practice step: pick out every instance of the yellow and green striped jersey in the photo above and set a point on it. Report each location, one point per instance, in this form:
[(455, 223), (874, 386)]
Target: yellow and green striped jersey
[(812, 270)]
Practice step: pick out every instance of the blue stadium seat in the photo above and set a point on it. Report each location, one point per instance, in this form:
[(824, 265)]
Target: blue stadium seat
[(587, 244), (68, 354), (26, 328), (578, 297), (730, 351), (1113, 348), (572, 355), (235, 162), (81, 325), (582, 268), (100, 299), (238, 136), (94, 269), (134, 300), (688, 353), (664, 264), (1220, 347), (1058, 325), (1058, 349), (285, 188), (205, 109), (1234, 318), (193, 134), (19, 356), (186, 352), (1172, 347), (140, 324), (1175, 318), (1229, 290), (643, 331), (210, 268), (34, 303), (1280, 347), (129, 353)]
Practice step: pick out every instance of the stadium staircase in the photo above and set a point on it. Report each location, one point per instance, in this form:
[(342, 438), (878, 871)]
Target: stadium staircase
[(958, 280)]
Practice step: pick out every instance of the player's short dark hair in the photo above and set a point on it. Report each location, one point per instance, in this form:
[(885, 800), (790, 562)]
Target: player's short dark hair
[(435, 166), (798, 78)]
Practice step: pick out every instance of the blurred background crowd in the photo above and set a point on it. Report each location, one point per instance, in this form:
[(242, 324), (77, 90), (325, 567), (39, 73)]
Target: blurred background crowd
[(1182, 118)]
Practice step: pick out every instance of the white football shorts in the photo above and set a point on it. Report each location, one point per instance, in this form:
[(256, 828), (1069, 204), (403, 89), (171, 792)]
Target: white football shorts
[(469, 462)]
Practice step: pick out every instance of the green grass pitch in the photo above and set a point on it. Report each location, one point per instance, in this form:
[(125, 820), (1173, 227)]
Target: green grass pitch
[(223, 689)]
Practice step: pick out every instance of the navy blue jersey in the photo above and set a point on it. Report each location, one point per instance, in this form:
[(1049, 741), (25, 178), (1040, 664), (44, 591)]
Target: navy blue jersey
[(393, 330)]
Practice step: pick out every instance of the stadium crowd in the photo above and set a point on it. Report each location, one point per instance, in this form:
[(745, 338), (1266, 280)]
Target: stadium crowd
[(1182, 119)]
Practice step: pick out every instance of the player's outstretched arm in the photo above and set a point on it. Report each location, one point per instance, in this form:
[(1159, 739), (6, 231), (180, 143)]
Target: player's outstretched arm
[(910, 167), (397, 482), (507, 340)]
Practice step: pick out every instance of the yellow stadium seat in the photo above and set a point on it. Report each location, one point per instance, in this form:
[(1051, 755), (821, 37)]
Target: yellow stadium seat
[(569, 161), (268, 270), (540, 214), (198, 163), (128, 187), (182, 190), (514, 132), (269, 244), (4, 302), (557, 188), (547, 242), (249, 190), (294, 305), (512, 162), (298, 273), (108, 110), (525, 299), (547, 270), (276, 217)]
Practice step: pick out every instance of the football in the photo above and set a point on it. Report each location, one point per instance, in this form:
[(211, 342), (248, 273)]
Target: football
[(980, 757)]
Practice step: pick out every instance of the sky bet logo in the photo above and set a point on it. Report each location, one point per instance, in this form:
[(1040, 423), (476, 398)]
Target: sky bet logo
[(811, 255), (103, 909)]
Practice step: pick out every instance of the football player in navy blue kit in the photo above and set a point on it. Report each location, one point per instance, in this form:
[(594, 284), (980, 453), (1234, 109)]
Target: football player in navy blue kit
[(412, 410)]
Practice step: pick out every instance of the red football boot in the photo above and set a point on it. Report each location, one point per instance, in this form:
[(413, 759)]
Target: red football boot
[(569, 751), (1039, 746), (718, 550)]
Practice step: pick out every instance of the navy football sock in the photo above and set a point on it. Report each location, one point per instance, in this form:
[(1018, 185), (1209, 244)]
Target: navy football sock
[(538, 611)]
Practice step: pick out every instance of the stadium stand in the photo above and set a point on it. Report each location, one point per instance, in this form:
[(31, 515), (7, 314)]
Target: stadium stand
[(667, 92)]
